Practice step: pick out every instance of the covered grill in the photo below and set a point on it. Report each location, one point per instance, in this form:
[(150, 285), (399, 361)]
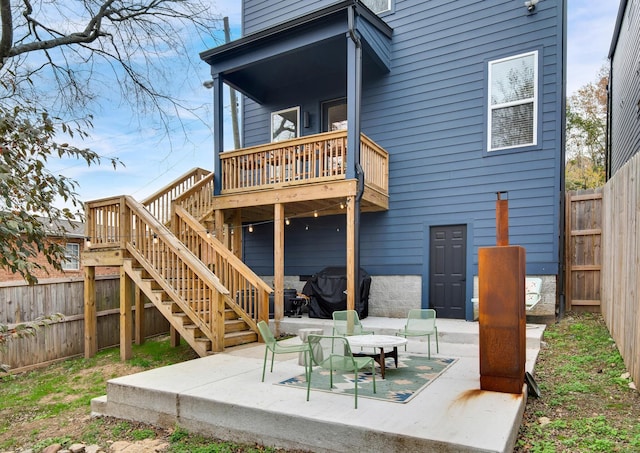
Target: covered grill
[(326, 291)]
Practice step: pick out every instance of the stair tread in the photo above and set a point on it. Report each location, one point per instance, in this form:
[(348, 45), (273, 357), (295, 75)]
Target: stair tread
[(240, 333), (236, 330)]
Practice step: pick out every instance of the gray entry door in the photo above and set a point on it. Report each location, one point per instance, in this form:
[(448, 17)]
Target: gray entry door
[(447, 267)]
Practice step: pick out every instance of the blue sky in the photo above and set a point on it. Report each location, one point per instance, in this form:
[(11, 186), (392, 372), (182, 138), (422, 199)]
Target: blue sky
[(152, 161)]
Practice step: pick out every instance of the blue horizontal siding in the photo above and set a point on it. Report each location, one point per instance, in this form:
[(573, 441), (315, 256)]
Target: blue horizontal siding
[(625, 90), (429, 112), (262, 14)]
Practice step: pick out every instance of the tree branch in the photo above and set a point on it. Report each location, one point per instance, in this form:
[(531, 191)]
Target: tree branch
[(6, 22), (73, 57)]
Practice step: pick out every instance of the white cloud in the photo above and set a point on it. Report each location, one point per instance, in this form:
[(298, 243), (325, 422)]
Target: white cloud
[(589, 32)]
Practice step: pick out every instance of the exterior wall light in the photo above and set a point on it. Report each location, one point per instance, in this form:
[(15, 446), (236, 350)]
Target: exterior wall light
[(531, 5)]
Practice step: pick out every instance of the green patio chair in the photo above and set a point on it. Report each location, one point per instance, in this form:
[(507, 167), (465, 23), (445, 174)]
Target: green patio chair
[(421, 323), (340, 358), (343, 319), (277, 348)]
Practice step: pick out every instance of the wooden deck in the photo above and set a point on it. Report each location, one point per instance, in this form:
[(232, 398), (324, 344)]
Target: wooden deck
[(307, 175), (175, 246)]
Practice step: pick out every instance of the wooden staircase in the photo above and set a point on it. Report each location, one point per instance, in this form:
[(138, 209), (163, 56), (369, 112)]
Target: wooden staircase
[(169, 257), (236, 330)]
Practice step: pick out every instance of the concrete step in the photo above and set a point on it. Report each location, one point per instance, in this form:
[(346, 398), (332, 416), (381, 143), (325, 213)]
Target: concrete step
[(222, 396), (449, 330)]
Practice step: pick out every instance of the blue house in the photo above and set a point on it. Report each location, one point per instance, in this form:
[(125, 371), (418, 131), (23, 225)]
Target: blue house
[(459, 99), (624, 89), (376, 135)]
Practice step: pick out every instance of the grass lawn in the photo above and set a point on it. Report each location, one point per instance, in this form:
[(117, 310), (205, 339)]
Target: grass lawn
[(586, 404), (587, 401)]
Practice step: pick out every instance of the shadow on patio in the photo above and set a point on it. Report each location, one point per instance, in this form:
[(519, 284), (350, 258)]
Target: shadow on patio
[(222, 396)]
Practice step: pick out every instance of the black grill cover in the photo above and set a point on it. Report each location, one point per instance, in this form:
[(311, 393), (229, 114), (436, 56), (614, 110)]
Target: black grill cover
[(326, 292)]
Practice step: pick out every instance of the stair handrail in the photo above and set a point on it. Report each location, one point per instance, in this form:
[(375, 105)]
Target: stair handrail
[(198, 199), (250, 291), (178, 270), (159, 203)]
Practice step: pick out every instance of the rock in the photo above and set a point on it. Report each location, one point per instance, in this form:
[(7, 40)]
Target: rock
[(93, 449), (77, 448), (544, 421), (119, 446), (625, 375), (53, 448), (143, 446), (632, 386)]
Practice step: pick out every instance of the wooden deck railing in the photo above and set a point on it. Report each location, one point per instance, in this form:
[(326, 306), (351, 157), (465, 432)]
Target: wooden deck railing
[(123, 222), (248, 291), (104, 227), (198, 200), (375, 163), (313, 158), (159, 204)]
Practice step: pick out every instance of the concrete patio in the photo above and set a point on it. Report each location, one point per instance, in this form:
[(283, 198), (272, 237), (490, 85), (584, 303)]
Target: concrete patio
[(222, 396)]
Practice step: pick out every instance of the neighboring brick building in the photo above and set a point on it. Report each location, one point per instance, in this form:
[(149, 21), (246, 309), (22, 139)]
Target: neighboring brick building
[(73, 240)]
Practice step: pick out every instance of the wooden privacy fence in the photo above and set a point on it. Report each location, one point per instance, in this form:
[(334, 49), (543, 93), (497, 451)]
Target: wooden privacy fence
[(621, 261), (22, 303), (583, 241)]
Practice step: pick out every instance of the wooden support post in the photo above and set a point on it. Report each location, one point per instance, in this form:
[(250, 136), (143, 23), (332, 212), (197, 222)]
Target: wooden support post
[(90, 313), (236, 245), (278, 265), (125, 224), (351, 239), (218, 307), (174, 337), (218, 225), (139, 300), (126, 318)]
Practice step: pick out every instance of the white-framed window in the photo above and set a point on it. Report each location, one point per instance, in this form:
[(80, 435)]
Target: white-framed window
[(513, 102), (285, 124), (71, 260), (378, 6)]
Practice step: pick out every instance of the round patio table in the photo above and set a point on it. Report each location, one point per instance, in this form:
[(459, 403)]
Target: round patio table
[(377, 342)]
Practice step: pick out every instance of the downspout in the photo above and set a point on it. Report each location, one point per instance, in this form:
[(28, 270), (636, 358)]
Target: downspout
[(351, 24), (360, 176), (607, 158), (218, 132), (562, 240), (356, 151)]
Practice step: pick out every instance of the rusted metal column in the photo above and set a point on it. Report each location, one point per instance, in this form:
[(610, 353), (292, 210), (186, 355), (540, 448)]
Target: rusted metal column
[(502, 320), (502, 219)]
